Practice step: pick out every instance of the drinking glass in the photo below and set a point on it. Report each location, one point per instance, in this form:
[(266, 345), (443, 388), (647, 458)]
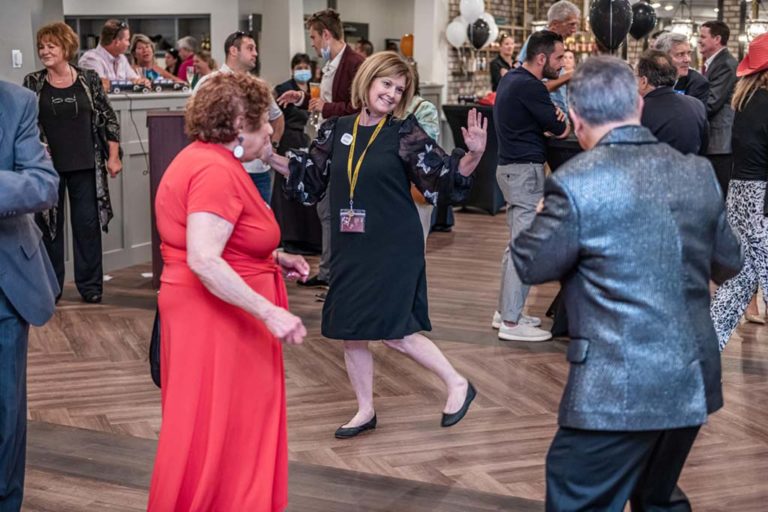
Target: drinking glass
[(314, 93)]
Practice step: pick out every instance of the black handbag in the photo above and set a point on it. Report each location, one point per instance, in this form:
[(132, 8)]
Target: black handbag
[(154, 351)]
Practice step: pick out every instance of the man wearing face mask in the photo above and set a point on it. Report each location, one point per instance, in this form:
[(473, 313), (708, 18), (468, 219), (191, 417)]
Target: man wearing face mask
[(340, 65), (525, 116), (240, 57)]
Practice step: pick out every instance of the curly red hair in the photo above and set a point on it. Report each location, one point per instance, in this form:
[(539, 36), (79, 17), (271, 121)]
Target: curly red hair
[(211, 112)]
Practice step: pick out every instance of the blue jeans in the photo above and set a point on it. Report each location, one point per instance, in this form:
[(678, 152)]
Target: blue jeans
[(263, 182)]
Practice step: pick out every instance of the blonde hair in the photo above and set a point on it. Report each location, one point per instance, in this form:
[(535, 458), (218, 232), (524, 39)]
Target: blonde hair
[(746, 88), (378, 65)]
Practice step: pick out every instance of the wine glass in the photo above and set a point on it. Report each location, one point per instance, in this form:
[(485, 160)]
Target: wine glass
[(314, 93)]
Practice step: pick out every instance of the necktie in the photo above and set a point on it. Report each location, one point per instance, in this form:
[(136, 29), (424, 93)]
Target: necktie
[(704, 68)]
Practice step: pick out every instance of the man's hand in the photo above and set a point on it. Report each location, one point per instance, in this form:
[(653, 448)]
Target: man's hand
[(143, 81), (316, 105)]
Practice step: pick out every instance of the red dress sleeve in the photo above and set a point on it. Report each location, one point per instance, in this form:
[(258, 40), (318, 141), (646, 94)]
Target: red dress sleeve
[(213, 190)]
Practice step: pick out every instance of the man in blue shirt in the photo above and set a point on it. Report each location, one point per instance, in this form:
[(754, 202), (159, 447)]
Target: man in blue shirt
[(525, 116), (563, 18)]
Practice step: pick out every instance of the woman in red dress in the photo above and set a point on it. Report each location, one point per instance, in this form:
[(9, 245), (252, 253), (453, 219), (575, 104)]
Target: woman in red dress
[(223, 314)]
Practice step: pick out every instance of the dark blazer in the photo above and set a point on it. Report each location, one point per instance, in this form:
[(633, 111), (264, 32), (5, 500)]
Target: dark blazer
[(694, 84), (678, 120), (635, 246), (28, 184), (105, 129), (341, 91), (722, 79)]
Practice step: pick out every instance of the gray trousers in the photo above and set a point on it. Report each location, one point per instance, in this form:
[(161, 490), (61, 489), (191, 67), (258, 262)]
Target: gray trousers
[(522, 186), (324, 213)]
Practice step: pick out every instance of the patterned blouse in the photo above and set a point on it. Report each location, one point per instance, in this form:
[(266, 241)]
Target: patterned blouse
[(434, 172), (105, 129)]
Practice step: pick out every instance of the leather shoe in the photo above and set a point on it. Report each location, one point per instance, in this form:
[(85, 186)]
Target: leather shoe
[(346, 433), (451, 419), (314, 282), (92, 298)]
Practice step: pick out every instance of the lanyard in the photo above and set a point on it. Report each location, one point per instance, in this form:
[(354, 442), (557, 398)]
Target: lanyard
[(352, 176)]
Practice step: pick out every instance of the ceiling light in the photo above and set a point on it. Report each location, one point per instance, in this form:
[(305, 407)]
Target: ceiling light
[(669, 7), (716, 9), (656, 5)]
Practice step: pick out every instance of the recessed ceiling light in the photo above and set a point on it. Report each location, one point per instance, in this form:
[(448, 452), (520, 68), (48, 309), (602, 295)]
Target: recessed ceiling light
[(716, 9), (656, 5), (669, 7)]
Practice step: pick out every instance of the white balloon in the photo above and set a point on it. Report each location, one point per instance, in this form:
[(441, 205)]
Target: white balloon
[(471, 9), (494, 29), (456, 32)]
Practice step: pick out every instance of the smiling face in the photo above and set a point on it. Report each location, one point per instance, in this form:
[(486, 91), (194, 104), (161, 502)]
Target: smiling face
[(681, 58), (385, 93), (201, 66), (507, 47), (50, 52)]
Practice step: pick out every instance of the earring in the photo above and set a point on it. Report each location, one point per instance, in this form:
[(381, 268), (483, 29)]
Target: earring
[(239, 150)]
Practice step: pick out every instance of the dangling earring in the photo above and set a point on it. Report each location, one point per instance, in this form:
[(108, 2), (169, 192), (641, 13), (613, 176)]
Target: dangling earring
[(239, 150)]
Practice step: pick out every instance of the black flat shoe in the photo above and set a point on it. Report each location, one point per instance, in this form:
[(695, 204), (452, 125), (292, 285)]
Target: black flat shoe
[(451, 419), (346, 433), (314, 282), (92, 298)]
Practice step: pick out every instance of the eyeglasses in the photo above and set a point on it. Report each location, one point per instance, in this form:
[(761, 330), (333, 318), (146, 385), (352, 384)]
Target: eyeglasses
[(64, 105)]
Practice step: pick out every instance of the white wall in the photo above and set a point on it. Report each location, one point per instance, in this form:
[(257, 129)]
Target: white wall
[(18, 24)]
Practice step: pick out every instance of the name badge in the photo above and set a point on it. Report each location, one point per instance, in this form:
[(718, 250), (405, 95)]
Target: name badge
[(352, 221), (346, 139)]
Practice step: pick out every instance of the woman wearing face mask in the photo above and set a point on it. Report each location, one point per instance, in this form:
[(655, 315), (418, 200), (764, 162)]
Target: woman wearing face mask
[(299, 224), (378, 290)]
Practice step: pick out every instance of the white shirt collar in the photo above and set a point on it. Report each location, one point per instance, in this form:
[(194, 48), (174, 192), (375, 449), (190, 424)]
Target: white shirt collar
[(708, 62)]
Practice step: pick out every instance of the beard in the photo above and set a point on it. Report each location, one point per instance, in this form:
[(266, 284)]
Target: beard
[(550, 73)]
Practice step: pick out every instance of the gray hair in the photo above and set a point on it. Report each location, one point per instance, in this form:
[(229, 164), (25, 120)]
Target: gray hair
[(562, 10), (603, 90), (188, 43), (667, 41)]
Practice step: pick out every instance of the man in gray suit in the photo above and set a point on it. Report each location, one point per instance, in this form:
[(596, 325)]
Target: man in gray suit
[(635, 247), (720, 70), (28, 286)]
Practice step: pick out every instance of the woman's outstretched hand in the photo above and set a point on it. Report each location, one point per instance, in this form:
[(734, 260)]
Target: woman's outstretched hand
[(476, 132)]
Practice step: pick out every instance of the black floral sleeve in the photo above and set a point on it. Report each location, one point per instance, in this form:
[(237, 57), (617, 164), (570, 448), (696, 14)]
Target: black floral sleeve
[(102, 107), (309, 171), (434, 172)]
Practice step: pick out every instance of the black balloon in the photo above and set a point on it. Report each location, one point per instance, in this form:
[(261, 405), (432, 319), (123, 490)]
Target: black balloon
[(478, 33), (643, 20), (610, 21)]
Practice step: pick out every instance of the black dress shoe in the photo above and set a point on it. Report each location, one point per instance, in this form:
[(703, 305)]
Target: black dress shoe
[(314, 282), (92, 298), (451, 419), (346, 433)]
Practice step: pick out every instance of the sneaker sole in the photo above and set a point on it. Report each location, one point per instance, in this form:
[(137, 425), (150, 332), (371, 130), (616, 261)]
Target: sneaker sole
[(512, 337), (497, 325)]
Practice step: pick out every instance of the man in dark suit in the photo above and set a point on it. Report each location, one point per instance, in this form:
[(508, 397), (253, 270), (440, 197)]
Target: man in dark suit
[(720, 70), (28, 285), (635, 246), (340, 63), (678, 120), (689, 81)]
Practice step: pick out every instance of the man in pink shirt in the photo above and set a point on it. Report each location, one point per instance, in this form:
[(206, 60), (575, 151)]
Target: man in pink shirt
[(108, 58)]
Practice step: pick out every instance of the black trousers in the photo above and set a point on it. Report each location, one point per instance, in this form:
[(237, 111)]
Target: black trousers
[(86, 231), (723, 165), (588, 470), (13, 405)]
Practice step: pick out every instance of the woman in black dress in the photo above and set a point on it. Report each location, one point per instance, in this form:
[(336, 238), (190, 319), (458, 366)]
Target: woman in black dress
[(80, 129), (300, 229), (378, 288), (504, 61)]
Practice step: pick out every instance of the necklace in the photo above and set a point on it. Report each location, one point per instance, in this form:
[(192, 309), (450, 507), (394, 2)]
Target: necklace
[(56, 80)]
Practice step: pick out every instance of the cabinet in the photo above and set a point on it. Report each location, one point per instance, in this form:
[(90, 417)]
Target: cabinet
[(164, 30)]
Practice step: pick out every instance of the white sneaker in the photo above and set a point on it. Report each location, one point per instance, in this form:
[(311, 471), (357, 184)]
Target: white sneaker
[(524, 319), (522, 332)]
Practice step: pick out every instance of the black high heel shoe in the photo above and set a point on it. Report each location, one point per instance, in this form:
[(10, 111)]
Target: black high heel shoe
[(346, 433), (451, 419)]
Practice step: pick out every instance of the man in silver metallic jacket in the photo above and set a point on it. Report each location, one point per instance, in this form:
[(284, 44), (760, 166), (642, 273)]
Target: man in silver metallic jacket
[(635, 246)]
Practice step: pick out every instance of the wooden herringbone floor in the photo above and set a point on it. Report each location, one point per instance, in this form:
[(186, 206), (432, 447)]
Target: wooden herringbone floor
[(88, 369)]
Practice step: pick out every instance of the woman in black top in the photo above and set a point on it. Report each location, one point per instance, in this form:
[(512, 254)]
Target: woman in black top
[(378, 289), (747, 201), (300, 228), (503, 62), (81, 132)]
